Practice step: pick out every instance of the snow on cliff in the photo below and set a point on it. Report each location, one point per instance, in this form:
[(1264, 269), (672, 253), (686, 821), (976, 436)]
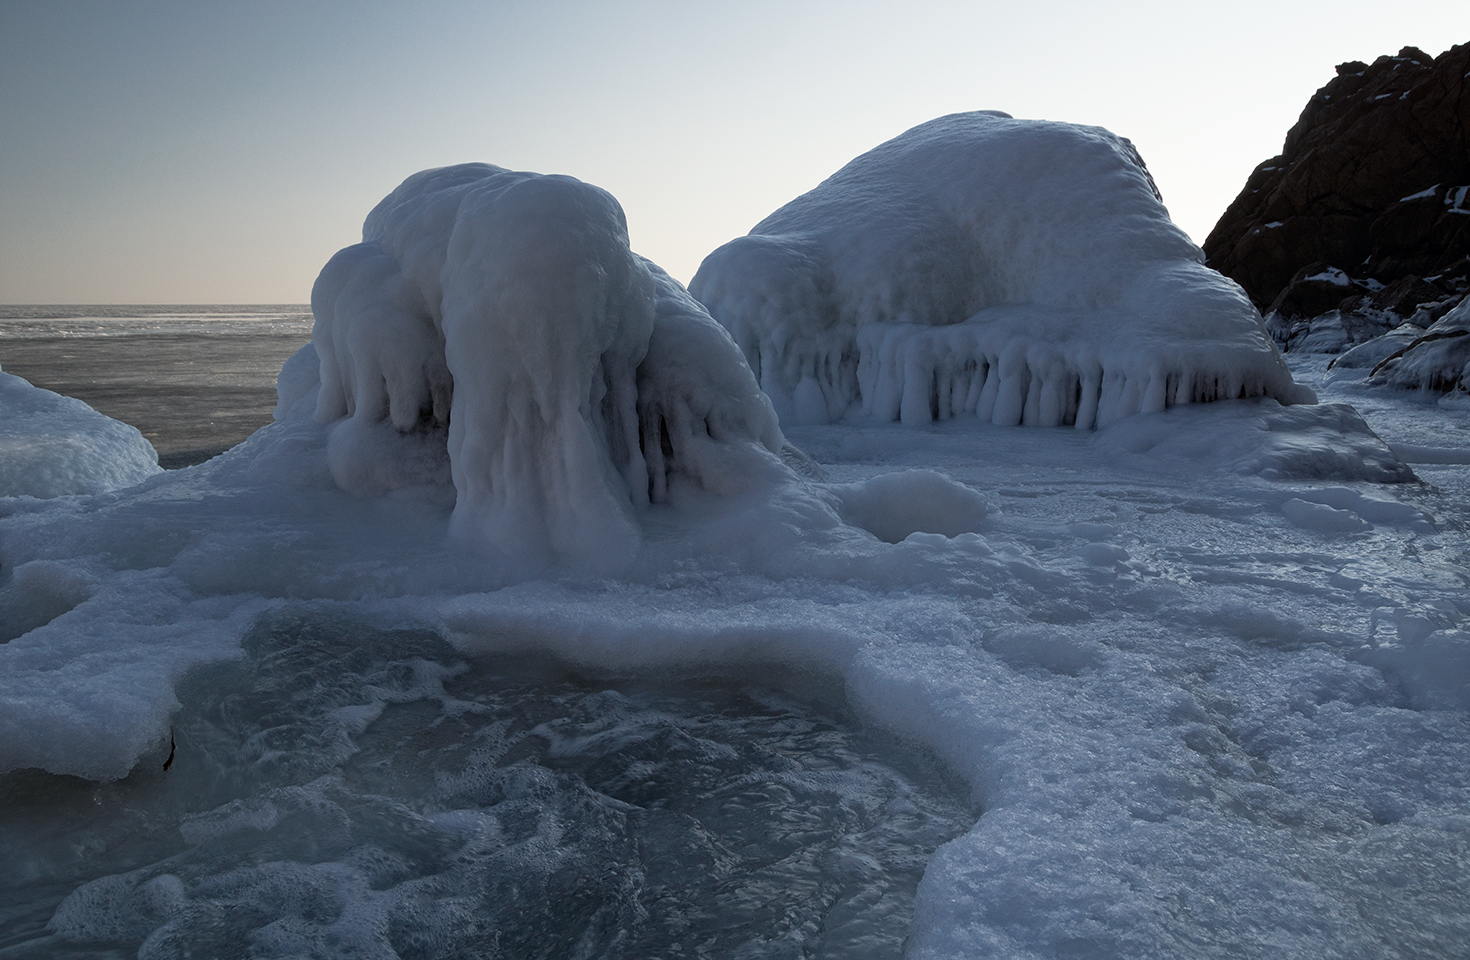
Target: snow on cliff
[(1020, 270)]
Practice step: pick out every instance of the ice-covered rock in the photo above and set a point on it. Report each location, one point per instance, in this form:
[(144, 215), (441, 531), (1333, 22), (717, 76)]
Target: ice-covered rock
[(892, 506), (1023, 271), (51, 445), (1323, 441), (1326, 334), (1438, 359), (499, 322), (1370, 353)]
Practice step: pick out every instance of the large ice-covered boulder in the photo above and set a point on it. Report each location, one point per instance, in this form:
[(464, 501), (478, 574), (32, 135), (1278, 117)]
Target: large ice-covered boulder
[(52, 446), (499, 321), (1024, 271)]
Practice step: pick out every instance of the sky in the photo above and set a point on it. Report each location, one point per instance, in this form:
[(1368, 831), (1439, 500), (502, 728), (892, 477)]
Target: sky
[(206, 152)]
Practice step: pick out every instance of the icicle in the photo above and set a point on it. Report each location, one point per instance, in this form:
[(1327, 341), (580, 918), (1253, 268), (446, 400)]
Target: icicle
[(977, 384), (1010, 399), (1154, 395), (916, 408), (1091, 387)]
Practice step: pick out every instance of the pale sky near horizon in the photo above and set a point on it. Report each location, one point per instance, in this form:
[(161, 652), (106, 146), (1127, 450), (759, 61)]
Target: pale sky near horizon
[(169, 151)]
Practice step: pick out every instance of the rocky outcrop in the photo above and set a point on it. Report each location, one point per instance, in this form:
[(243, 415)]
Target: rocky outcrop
[(1372, 188), (1356, 239)]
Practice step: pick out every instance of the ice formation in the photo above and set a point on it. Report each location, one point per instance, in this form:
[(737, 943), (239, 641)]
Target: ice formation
[(577, 382), (1175, 737), (892, 506), (51, 445), (1176, 741), (1019, 270)]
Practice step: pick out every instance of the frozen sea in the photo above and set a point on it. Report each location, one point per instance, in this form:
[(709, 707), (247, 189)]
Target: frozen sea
[(1165, 702)]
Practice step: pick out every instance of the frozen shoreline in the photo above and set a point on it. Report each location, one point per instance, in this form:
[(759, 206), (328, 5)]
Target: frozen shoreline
[(1160, 681), (1201, 664)]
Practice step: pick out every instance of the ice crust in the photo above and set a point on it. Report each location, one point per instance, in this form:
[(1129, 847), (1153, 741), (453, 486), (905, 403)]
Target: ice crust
[(578, 382), (1022, 271), (1146, 702), (52, 446)]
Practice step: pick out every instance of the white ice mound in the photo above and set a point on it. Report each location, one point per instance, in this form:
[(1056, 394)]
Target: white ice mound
[(1023, 271), (51, 445), (892, 506), (573, 382)]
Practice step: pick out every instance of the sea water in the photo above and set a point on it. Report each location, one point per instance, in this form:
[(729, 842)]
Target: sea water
[(196, 380), (344, 790)]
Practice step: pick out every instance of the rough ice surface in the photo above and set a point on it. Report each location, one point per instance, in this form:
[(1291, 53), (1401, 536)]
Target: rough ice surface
[(1195, 706), (1201, 675), (576, 382), (1022, 271), (52, 446)]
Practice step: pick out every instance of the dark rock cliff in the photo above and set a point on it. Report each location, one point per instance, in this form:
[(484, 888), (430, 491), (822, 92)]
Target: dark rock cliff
[(1371, 188)]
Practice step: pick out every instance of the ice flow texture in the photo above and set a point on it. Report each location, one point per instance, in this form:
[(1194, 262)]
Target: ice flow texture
[(1024, 271), (577, 381)]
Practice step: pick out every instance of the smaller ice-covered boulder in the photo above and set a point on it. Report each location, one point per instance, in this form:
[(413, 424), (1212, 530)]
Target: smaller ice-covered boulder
[(892, 506), (494, 328), (1437, 359), (51, 445), (1020, 270), (1370, 353)]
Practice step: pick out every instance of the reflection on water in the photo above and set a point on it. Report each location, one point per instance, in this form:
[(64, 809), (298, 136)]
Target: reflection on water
[(347, 791)]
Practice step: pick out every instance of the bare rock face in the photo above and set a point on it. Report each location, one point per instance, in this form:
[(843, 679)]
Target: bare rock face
[(1371, 191)]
